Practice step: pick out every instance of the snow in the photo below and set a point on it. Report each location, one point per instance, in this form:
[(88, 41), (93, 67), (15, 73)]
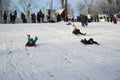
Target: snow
[(59, 54)]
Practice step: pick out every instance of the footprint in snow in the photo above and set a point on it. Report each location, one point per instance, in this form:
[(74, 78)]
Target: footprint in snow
[(50, 74), (67, 60), (9, 52)]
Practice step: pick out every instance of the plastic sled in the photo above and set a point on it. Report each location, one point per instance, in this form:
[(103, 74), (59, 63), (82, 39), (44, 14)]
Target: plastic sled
[(30, 45)]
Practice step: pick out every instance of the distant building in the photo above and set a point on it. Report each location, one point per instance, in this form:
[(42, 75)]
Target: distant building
[(53, 14)]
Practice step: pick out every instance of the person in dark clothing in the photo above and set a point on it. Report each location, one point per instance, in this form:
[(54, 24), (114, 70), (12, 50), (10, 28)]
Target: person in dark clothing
[(14, 16), (5, 17), (114, 20), (97, 18), (90, 41), (58, 18), (108, 18), (42, 16), (82, 19), (15, 13), (86, 21), (38, 17), (24, 20), (77, 31), (111, 17), (11, 17), (33, 18)]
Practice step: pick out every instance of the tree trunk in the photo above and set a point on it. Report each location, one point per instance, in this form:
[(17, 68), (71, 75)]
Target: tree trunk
[(0, 11), (62, 3), (66, 10)]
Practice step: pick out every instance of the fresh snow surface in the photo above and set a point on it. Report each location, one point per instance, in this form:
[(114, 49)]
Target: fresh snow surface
[(59, 55)]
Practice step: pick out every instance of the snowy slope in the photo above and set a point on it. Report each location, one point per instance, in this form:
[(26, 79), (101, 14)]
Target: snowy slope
[(59, 55)]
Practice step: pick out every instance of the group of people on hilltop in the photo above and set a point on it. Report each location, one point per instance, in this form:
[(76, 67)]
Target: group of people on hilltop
[(13, 16), (39, 17)]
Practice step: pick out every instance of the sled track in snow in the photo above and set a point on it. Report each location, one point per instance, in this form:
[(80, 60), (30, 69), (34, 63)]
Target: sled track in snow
[(12, 59)]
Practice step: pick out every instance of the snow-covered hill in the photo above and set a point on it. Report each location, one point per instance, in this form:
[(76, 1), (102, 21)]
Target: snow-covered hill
[(59, 54)]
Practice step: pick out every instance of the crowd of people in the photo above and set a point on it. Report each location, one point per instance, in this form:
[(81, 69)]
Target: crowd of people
[(40, 18), (35, 18), (13, 16)]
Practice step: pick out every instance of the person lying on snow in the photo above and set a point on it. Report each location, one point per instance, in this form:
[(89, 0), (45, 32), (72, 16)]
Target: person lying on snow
[(31, 42), (90, 41), (69, 23), (77, 31)]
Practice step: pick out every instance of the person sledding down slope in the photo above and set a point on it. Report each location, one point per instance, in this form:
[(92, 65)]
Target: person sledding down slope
[(31, 42), (90, 41), (77, 31), (69, 23)]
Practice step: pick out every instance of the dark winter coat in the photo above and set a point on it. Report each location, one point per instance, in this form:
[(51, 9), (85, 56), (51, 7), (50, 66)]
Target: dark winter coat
[(5, 16), (90, 41), (38, 17), (77, 31), (33, 17), (10, 16), (15, 14), (22, 16)]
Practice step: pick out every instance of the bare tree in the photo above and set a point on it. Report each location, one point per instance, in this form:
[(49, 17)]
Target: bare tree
[(106, 7), (27, 6), (62, 2), (89, 5), (81, 8), (70, 10), (4, 6), (85, 6), (95, 7)]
